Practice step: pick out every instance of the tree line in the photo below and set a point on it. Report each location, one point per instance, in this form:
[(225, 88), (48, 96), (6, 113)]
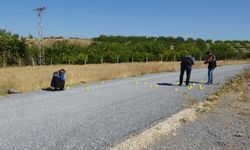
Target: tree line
[(15, 50)]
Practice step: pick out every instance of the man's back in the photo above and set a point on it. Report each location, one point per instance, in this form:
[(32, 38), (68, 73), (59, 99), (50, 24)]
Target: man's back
[(187, 60)]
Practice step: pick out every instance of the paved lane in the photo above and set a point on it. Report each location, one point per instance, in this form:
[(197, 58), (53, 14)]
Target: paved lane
[(101, 116)]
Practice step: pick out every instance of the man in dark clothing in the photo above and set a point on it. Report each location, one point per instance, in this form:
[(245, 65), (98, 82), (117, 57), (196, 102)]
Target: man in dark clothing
[(186, 65), (58, 79), (211, 60)]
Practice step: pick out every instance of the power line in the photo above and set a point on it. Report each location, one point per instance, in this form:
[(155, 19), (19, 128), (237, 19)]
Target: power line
[(40, 11)]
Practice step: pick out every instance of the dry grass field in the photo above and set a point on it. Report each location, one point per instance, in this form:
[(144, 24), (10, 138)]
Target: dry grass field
[(24, 79), (50, 42)]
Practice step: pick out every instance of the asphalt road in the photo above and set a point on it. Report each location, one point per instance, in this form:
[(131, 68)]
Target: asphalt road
[(98, 116)]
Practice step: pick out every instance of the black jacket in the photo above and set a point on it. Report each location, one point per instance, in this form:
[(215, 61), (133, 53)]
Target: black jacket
[(211, 63), (187, 61)]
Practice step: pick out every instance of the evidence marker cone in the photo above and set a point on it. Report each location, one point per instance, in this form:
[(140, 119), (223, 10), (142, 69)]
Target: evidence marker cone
[(176, 90), (87, 88), (190, 87)]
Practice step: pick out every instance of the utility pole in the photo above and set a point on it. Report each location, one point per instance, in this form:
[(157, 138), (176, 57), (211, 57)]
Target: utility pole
[(39, 11)]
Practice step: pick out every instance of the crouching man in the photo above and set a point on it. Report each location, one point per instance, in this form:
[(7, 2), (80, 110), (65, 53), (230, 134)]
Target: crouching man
[(58, 80)]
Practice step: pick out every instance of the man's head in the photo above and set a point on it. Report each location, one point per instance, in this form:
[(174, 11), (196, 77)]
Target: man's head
[(62, 70), (209, 53)]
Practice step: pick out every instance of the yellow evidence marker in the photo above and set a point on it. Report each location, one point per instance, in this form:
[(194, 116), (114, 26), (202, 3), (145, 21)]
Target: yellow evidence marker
[(176, 90), (200, 87), (150, 86), (87, 88), (145, 83), (190, 87), (156, 86), (201, 81)]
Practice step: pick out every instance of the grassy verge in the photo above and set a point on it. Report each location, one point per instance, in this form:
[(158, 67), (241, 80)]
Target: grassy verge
[(26, 79), (239, 86)]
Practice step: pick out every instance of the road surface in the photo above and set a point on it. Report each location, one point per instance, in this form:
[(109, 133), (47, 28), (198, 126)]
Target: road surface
[(99, 115)]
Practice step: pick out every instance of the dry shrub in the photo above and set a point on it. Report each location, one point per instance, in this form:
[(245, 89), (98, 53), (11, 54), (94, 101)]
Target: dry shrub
[(193, 101), (244, 112), (247, 74), (184, 120), (201, 111), (212, 98)]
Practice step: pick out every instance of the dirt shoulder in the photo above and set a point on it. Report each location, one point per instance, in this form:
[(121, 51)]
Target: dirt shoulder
[(224, 124)]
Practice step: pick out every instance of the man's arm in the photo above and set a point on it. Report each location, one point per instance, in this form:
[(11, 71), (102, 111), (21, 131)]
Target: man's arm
[(193, 60), (211, 58)]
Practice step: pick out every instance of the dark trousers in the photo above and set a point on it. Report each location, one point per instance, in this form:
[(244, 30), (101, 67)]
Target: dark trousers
[(57, 83), (187, 68)]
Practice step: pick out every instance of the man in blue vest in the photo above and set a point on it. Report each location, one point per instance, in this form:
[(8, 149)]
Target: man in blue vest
[(58, 79)]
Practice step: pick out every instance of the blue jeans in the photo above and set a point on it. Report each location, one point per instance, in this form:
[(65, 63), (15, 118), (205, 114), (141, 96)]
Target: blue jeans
[(210, 75)]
